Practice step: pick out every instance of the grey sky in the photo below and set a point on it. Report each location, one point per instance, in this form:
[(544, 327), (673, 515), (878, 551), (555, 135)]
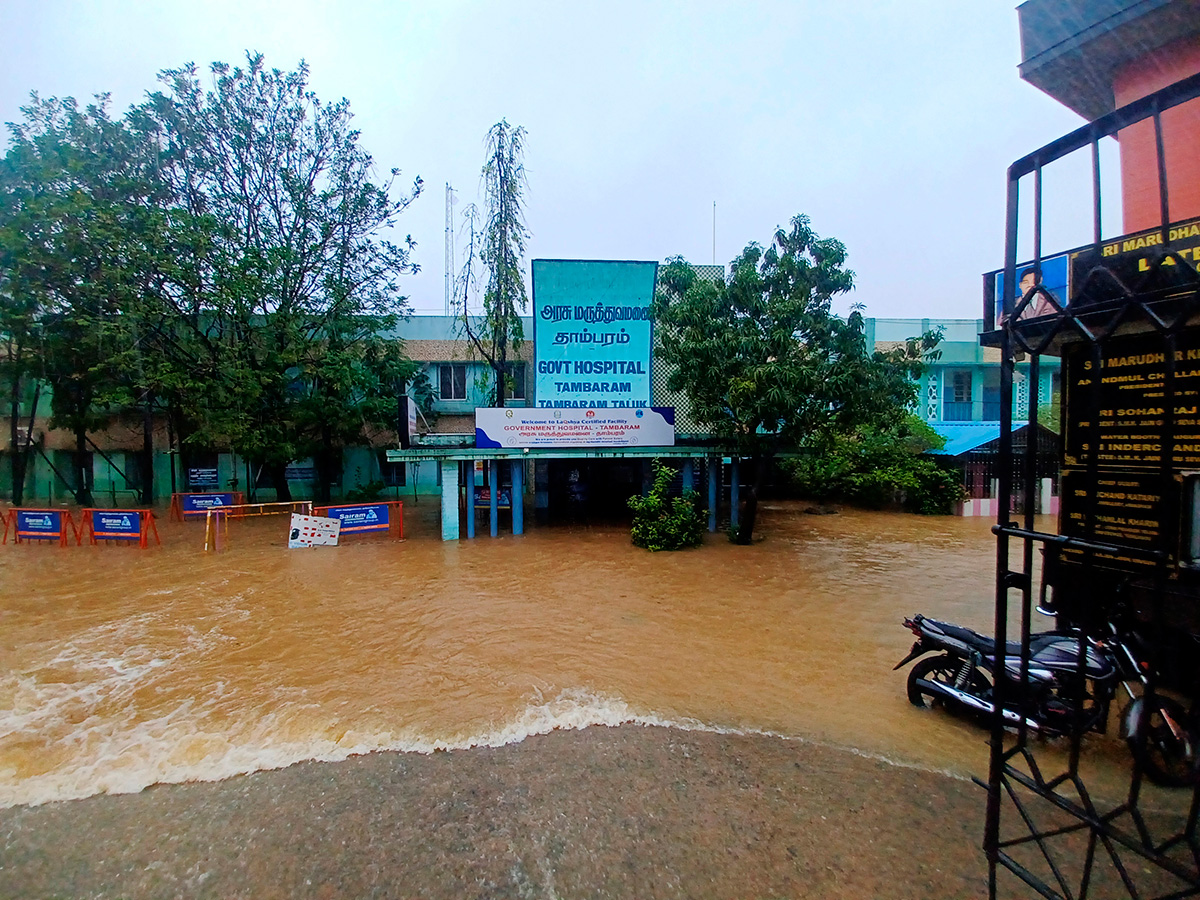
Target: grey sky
[(890, 124)]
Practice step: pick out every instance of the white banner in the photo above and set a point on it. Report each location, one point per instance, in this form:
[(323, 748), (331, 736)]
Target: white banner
[(650, 427), (309, 531)]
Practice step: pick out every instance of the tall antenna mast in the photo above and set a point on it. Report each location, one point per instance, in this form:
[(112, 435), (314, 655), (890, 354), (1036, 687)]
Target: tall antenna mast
[(449, 248), (714, 232)]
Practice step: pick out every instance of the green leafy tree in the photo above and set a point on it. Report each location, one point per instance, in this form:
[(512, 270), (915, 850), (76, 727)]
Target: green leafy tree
[(20, 321), (763, 360), (79, 227), (288, 304), (498, 248)]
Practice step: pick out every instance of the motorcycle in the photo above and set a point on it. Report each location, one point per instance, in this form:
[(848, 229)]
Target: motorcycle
[(1053, 700)]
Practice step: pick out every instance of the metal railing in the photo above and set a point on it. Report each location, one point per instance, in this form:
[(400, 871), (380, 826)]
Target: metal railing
[(1045, 824)]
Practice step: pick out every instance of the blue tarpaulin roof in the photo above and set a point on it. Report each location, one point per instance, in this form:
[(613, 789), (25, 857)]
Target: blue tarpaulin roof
[(962, 437)]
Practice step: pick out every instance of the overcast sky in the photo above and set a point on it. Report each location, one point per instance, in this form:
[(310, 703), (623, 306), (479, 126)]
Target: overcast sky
[(890, 124)]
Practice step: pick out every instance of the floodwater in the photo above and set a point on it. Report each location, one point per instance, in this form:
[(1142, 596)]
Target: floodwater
[(121, 668)]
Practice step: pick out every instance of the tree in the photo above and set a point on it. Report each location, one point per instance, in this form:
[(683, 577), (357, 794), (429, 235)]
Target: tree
[(78, 219), (499, 249), (20, 307), (293, 289), (880, 465), (763, 360)]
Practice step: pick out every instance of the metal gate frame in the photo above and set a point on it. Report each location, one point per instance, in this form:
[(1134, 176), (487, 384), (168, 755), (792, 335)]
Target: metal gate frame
[(1045, 827)]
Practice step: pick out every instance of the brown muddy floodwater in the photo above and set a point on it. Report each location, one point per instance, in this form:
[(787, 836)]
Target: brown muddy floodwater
[(120, 668)]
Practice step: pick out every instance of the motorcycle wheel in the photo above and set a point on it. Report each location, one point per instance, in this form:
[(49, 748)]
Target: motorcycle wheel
[(1169, 760), (942, 669)]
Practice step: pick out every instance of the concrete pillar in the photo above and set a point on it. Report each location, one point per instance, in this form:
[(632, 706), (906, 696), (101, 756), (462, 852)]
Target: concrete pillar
[(714, 469), (689, 475), (494, 493), (977, 393), (541, 491), (518, 496), (449, 499), (470, 464), (734, 475)]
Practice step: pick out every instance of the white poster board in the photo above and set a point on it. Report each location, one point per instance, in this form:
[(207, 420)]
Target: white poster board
[(310, 531), (649, 427)]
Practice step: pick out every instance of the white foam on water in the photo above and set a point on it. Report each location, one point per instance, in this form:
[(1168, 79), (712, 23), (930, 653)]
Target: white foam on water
[(115, 757), (120, 757)]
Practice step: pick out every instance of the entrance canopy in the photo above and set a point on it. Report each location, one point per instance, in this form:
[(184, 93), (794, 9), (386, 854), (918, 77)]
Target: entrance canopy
[(450, 460)]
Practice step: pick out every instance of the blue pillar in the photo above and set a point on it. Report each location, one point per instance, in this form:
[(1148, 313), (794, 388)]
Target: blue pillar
[(470, 498), (689, 475), (494, 493), (518, 496), (449, 499), (714, 468), (734, 473)]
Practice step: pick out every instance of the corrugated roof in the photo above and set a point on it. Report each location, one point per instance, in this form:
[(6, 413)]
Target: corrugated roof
[(962, 437)]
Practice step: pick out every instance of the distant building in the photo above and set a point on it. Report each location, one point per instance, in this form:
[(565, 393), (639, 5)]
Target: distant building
[(963, 384)]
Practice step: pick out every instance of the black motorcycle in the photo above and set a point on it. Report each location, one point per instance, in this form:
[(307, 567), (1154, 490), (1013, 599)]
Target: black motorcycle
[(1054, 700)]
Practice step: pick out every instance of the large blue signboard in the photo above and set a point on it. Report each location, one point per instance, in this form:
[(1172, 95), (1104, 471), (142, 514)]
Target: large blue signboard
[(39, 524), (592, 332), (360, 517), (117, 525)]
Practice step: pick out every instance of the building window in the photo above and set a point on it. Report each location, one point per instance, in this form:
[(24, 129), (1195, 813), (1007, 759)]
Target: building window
[(516, 384), (393, 473), (453, 377), (957, 406), (961, 390)]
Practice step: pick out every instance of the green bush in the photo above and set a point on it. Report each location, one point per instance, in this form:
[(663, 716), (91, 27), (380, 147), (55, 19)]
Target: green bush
[(368, 492), (665, 523), (880, 467)]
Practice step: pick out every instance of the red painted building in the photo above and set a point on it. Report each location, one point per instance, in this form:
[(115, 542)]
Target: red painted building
[(1094, 56)]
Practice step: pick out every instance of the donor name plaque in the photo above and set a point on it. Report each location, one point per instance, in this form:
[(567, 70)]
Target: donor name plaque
[(499, 428), (1135, 413)]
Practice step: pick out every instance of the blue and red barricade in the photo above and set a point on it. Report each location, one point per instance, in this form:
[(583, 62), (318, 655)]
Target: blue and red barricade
[(27, 524), (196, 505), (118, 525), (366, 518)]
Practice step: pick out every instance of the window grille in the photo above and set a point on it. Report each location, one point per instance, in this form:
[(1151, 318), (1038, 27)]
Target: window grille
[(453, 381)]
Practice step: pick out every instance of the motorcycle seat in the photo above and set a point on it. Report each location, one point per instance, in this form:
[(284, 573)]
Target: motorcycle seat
[(984, 644)]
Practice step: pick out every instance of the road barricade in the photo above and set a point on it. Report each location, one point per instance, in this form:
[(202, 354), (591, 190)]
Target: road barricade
[(366, 518), (217, 516), (28, 524), (127, 525), (196, 505)]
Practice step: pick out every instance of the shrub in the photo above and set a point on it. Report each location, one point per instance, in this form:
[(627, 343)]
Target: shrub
[(666, 523), (878, 467), (365, 493)]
